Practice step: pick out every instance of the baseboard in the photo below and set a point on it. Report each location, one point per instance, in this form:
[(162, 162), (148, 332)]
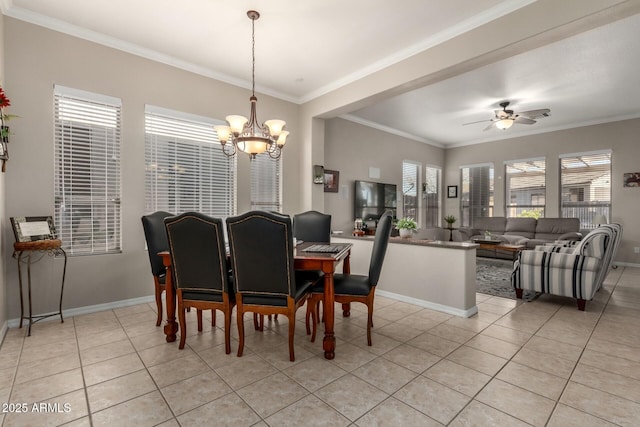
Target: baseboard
[(626, 264), (14, 323), (3, 332), (431, 305)]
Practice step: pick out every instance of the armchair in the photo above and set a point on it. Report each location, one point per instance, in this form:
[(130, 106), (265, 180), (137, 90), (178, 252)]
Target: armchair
[(575, 272)]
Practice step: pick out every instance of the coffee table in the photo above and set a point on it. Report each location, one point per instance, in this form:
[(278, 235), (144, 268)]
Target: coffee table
[(496, 246)]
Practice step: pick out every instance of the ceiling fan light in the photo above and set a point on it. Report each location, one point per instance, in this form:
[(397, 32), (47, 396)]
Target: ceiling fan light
[(504, 123)]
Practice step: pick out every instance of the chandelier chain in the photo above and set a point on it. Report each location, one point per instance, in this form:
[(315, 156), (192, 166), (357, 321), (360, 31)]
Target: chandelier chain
[(253, 57)]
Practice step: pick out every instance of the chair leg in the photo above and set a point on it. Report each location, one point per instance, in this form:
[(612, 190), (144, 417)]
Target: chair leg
[(227, 331), (240, 318), (582, 304), (199, 316), (183, 325), (292, 330), (213, 317), (369, 323), (158, 301), (314, 316), (519, 293)]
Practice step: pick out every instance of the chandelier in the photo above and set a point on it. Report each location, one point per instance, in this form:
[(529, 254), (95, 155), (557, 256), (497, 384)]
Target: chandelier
[(246, 134)]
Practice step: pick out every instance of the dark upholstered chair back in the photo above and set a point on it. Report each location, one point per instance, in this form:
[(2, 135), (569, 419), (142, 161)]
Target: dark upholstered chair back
[(156, 236), (312, 226), (380, 243), (261, 245), (198, 256)]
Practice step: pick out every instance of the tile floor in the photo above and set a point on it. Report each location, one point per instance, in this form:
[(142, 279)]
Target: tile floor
[(514, 364)]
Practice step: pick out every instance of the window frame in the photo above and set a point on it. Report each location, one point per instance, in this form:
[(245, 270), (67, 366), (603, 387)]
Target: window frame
[(533, 163), (466, 218)]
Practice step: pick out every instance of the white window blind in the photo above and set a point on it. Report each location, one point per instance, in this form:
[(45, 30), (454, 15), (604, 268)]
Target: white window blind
[(266, 183), (476, 196), (432, 196), (87, 171), (410, 189), (185, 167), (585, 186), (525, 188)]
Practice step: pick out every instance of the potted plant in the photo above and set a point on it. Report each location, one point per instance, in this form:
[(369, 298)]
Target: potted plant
[(4, 129), (450, 219), (406, 227)]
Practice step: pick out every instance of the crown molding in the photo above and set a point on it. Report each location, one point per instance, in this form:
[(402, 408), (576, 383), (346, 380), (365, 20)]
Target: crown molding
[(388, 129)]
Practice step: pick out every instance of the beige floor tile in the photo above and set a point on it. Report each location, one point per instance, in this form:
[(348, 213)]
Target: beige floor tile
[(163, 353), (510, 335), (615, 349), (44, 368), (146, 410), (308, 411), (49, 387), (211, 339), (177, 370), (118, 390), (350, 357), (398, 332), (522, 404), (112, 368), (278, 356), (51, 412), (245, 370), (229, 410), (132, 310), (557, 348), (169, 423), (314, 373), (62, 348), (393, 412), (419, 321), (94, 340), (7, 376), (434, 344), (549, 363), (82, 422), (618, 385), (478, 360), (412, 358), (539, 382), (151, 339), (385, 375), (460, 378), (188, 394), (138, 318), (601, 404), (452, 333), (105, 352), (609, 363), (351, 396), (479, 414), (485, 306), (473, 324), (216, 357), (271, 394), (433, 399), (566, 416), (493, 346)]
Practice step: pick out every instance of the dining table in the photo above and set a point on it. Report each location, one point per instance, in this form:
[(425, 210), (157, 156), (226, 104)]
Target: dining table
[(303, 260)]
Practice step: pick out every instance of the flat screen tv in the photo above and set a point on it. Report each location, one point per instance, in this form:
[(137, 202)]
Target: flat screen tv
[(372, 199)]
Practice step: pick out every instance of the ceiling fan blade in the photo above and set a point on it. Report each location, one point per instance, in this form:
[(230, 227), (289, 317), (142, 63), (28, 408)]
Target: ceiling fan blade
[(524, 120), (479, 121), (535, 114), (492, 125)]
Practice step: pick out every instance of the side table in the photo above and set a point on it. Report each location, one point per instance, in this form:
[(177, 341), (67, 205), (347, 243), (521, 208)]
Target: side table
[(451, 230), (27, 250)]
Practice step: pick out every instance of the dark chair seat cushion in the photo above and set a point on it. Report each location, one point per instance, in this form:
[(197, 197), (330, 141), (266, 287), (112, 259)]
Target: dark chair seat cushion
[(347, 284), (194, 295), (303, 287), (309, 275)]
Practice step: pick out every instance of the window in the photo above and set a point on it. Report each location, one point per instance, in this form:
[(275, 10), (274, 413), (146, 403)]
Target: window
[(185, 167), (87, 171), (266, 185), (431, 194), (476, 197), (525, 188), (585, 186), (410, 185)]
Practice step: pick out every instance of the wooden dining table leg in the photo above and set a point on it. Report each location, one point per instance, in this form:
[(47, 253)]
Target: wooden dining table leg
[(329, 341), (346, 269), (171, 328)]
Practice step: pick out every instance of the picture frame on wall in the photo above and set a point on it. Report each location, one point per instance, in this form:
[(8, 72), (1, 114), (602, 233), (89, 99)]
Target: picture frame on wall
[(631, 179), (331, 181), (452, 191), (33, 228)]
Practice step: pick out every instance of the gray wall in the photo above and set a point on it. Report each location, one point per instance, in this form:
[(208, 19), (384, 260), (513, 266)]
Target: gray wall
[(3, 216), (351, 149), (36, 59)]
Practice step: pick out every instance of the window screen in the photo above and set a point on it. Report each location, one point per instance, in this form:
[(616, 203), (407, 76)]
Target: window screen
[(431, 195), (525, 188)]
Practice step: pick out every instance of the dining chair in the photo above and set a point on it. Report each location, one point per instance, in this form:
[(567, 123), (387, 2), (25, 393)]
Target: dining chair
[(350, 288), (312, 226), (262, 261), (156, 237), (199, 260)]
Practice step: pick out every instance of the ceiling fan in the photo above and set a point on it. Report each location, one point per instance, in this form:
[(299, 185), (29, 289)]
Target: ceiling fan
[(504, 118)]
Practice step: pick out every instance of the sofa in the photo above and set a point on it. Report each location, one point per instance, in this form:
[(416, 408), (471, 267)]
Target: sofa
[(570, 270), (529, 232)]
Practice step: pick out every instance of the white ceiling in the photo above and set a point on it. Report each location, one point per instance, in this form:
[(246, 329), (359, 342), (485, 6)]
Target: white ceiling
[(305, 49)]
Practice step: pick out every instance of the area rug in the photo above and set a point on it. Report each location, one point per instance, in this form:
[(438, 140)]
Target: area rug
[(493, 277)]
